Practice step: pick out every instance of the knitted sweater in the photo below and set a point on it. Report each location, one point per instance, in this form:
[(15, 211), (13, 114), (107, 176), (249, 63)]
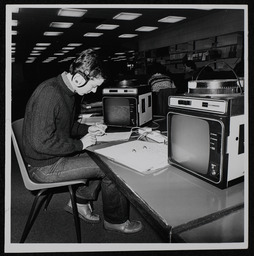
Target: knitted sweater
[(49, 127), (159, 81)]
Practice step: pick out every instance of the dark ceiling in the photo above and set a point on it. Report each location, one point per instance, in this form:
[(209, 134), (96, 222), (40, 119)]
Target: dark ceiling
[(33, 22)]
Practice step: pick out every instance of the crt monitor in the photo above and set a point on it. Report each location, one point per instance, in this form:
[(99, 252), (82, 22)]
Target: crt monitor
[(190, 142), (117, 111)]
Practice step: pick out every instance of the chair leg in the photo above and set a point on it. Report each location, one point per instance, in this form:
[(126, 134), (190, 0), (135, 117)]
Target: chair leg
[(75, 214), (31, 216), (49, 196)]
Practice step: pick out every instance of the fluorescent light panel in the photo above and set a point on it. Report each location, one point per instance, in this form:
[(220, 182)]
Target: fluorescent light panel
[(127, 16), (146, 29), (61, 24), (52, 33), (72, 12), (40, 48), (74, 44), (68, 48), (92, 34), (43, 44), (127, 35), (107, 26), (171, 19)]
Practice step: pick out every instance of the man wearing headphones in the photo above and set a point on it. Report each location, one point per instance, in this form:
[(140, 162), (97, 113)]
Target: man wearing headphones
[(53, 142)]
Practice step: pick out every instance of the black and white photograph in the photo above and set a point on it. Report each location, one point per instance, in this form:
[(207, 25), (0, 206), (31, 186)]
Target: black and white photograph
[(126, 128)]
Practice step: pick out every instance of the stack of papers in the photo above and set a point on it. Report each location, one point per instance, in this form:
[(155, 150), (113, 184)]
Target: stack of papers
[(141, 156), (114, 136)]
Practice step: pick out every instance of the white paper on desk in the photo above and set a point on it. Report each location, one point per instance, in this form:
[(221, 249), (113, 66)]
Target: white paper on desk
[(114, 136), (142, 156)]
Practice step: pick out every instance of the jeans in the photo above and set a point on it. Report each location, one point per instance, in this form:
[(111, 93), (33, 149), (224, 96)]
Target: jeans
[(115, 205)]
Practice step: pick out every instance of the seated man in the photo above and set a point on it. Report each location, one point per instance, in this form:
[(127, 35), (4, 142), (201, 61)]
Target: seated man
[(53, 143)]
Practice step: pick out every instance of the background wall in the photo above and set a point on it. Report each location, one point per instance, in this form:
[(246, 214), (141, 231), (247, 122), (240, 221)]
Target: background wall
[(224, 22)]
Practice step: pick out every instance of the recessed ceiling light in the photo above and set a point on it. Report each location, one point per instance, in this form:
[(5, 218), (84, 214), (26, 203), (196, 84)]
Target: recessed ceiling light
[(51, 33), (35, 54), (43, 44), (91, 34), (171, 19), (96, 48), (61, 24), (59, 53), (74, 44), (68, 48), (29, 61), (146, 29), (14, 23), (72, 12), (127, 16), (119, 53), (14, 33), (107, 26), (40, 48), (127, 35)]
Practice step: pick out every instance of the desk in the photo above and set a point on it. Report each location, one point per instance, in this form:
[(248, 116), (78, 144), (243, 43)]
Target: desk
[(175, 202)]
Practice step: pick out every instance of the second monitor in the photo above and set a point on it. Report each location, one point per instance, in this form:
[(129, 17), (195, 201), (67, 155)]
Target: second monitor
[(127, 107)]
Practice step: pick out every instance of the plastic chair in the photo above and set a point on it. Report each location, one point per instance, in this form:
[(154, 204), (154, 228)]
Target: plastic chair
[(43, 188)]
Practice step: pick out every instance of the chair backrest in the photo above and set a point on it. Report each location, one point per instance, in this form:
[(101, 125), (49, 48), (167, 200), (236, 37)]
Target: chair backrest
[(16, 134), (17, 128)]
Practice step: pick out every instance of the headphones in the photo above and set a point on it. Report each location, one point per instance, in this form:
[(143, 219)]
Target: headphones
[(80, 78)]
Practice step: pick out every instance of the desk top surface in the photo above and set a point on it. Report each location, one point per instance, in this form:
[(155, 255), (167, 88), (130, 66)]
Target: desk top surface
[(177, 196)]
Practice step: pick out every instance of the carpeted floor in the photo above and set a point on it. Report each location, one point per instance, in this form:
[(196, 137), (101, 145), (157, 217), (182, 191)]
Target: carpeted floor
[(57, 226)]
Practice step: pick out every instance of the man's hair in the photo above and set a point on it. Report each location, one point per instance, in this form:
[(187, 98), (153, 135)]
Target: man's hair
[(87, 61)]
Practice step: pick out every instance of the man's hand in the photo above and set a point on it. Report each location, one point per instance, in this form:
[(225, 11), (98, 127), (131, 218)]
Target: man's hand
[(88, 140)]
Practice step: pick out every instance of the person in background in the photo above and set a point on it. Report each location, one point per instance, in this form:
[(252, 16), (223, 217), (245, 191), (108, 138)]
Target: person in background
[(190, 69), (53, 143), (162, 86), (159, 80)]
